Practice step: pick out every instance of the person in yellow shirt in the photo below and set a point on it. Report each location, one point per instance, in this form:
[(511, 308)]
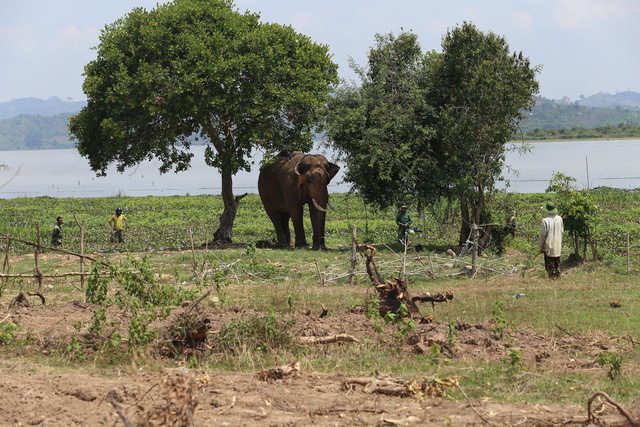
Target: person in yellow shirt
[(118, 222)]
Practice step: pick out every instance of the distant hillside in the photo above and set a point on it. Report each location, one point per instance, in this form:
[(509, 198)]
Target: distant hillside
[(41, 107), (26, 132), (551, 114), (626, 99), (32, 123)]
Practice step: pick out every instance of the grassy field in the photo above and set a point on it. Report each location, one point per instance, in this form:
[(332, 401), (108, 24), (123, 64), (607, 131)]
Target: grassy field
[(558, 344), (160, 223)]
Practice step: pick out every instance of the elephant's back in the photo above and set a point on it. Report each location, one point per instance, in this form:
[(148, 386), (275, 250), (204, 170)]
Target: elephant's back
[(272, 175)]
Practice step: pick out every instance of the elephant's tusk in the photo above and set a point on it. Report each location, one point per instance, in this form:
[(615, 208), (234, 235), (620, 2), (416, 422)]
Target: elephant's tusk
[(330, 205), (317, 205), (296, 168)]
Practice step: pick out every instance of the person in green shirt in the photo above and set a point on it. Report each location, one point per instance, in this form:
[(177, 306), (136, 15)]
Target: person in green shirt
[(56, 235), (404, 221), (118, 223)]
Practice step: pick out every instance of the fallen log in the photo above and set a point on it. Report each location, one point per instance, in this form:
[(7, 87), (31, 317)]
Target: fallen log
[(278, 373), (396, 387), (592, 418), (22, 299), (327, 340)]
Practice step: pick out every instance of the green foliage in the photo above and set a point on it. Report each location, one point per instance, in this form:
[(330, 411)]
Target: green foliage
[(373, 314), (561, 183), (551, 114), (515, 358), (498, 318), (621, 130), (578, 210), (402, 320), (481, 91), (73, 349), (25, 132), (137, 282), (266, 333), (452, 333), (425, 125), (613, 363), (435, 353), (381, 126), (193, 67), (8, 332), (96, 291), (140, 318)]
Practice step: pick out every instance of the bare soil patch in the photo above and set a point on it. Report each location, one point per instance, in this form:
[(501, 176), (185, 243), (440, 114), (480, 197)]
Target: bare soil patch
[(50, 325), (77, 398)]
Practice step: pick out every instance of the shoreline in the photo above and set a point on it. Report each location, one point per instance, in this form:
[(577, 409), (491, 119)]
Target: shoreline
[(629, 138)]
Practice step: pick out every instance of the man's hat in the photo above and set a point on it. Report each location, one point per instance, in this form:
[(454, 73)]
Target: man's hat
[(550, 207), (404, 207)]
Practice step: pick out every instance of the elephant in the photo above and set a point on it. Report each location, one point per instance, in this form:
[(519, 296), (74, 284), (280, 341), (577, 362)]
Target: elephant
[(289, 183)]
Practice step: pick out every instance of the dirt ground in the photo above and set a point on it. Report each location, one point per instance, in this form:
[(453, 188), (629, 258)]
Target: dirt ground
[(50, 325), (41, 396), (76, 398)]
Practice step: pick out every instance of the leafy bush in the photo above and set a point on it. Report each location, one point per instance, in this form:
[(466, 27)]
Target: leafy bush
[(266, 333), (8, 332)]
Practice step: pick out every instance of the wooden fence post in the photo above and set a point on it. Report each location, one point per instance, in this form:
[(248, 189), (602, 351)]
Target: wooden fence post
[(628, 255), (35, 255), (81, 226), (5, 264), (354, 256), (193, 252), (474, 252)]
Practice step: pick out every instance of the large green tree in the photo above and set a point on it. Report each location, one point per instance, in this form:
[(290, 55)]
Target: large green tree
[(382, 127), (200, 67), (430, 125), (481, 92)]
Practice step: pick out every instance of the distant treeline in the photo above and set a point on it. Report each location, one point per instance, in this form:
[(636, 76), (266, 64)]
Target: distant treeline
[(621, 130), (551, 114), (31, 123), (26, 132)]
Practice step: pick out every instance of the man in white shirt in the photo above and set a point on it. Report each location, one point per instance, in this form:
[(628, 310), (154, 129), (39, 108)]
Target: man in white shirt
[(550, 240)]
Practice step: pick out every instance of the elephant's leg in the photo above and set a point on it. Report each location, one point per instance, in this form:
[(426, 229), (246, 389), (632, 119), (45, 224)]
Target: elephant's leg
[(298, 227), (317, 222), (276, 219), (284, 220)]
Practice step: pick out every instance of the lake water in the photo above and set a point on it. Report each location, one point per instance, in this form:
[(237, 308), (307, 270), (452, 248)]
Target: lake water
[(63, 173)]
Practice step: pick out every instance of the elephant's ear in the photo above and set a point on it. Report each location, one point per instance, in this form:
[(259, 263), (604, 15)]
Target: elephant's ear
[(332, 170), (301, 170)]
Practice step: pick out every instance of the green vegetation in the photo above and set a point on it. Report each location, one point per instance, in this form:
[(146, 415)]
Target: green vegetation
[(550, 114), (619, 131), (39, 107), (421, 126), (194, 67), (35, 132), (163, 223)]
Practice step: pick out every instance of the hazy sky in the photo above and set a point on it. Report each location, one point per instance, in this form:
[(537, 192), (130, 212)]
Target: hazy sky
[(584, 46)]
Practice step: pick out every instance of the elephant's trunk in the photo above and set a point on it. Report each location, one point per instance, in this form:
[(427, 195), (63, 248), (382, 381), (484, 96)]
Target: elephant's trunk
[(317, 205)]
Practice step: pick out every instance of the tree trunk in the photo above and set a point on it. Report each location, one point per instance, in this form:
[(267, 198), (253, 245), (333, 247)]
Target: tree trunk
[(225, 232), (465, 228)]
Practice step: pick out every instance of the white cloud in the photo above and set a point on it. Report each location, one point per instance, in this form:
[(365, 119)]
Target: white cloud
[(581, 13), (523, 21), (18, 38), (71, 37), (301, 20)]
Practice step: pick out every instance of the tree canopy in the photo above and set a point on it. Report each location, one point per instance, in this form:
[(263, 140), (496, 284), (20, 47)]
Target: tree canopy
[(432, 124), (200, 67), (379, 126)]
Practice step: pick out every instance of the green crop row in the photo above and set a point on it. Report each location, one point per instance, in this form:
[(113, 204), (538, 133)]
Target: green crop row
[(159, 223)]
